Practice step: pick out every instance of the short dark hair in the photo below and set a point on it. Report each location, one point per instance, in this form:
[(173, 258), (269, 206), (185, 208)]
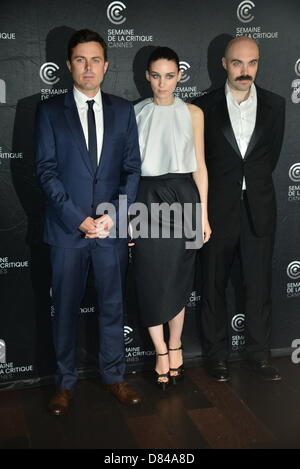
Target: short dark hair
[(163, 53), (86, 35)]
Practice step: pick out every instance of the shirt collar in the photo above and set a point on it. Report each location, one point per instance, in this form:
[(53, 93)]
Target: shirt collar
[(81, 99), (229, 95)]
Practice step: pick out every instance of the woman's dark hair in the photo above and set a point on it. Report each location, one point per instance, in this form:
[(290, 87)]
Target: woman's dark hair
[(86, 35), (163, 53)]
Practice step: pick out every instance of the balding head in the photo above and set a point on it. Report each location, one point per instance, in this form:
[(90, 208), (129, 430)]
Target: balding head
[(241, 42)]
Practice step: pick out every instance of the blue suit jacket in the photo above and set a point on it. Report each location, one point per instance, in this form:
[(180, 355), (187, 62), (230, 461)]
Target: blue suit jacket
[(73, 191)]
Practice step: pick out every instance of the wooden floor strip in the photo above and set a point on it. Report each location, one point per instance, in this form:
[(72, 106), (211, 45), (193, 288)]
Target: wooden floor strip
[(14, 432), (170, 407), (150, 433), (215, 428), (248, 428)]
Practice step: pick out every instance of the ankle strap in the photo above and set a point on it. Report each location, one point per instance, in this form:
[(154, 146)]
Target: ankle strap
[(172, 349), (161, 354)]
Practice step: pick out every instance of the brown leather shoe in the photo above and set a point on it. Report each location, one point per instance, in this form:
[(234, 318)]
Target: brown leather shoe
[(60, 402), (124, 393)]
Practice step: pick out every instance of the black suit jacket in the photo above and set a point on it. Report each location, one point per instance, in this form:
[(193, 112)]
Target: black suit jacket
[(226, 167)]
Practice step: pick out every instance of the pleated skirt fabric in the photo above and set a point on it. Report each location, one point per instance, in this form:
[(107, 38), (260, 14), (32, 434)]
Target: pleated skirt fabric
[(164, 269)]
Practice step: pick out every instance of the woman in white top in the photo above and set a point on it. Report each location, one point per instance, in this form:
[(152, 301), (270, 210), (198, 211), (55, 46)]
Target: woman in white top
[(173, 172)]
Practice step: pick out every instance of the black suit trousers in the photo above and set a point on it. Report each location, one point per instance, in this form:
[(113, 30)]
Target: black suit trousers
[(256, 259)]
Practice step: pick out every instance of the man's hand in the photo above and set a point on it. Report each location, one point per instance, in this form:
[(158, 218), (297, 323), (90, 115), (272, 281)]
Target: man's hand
[(97, 228), (104, 225), (89, 227)]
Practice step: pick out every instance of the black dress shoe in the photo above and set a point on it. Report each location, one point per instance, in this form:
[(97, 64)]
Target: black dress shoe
[(265, 370), (218, 370)]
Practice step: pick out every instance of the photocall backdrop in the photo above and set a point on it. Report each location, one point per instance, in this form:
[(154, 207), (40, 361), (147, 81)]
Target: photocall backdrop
[(33, 39)]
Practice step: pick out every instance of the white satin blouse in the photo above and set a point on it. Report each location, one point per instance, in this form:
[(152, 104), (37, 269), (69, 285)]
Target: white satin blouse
[(166, 138)]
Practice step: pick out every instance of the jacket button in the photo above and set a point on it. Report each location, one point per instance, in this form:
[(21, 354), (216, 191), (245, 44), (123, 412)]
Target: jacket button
[(96, 180)]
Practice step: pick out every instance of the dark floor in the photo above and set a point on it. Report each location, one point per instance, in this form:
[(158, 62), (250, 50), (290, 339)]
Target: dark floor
[(197, 413)]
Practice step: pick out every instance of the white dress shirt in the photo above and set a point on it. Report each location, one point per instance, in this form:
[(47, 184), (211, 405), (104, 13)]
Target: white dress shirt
[(82, 107), (242, 118)]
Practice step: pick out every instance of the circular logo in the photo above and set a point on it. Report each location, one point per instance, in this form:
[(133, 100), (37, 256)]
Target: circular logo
[(238, 322), (47, 73), (297, 67), (184, 66), (127, 335), (294, 172), (114, 12), (244, 11), (293, 270)]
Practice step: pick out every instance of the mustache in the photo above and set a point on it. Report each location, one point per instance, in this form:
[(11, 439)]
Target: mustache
[(244, 77)]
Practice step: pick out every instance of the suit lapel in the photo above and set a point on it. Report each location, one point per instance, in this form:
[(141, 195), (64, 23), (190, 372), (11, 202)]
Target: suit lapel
[(108, 126), (262, 115), (73, 120), (226, 124)]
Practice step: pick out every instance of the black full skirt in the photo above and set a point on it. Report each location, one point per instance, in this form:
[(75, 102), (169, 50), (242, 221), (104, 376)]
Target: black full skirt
[(164, 269)]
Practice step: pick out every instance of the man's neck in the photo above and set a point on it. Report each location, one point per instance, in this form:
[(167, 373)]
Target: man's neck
[(240, 96), (88, 93)]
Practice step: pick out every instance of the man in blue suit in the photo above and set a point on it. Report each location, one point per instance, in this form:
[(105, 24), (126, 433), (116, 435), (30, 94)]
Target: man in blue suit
[(87, 154)]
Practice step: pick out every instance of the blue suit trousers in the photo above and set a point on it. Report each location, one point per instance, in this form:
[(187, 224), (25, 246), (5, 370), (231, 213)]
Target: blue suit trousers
[(70, 267)]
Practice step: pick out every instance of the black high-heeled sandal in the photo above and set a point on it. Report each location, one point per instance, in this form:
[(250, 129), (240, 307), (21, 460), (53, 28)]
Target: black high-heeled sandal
[(162, 384), (179, 370)]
